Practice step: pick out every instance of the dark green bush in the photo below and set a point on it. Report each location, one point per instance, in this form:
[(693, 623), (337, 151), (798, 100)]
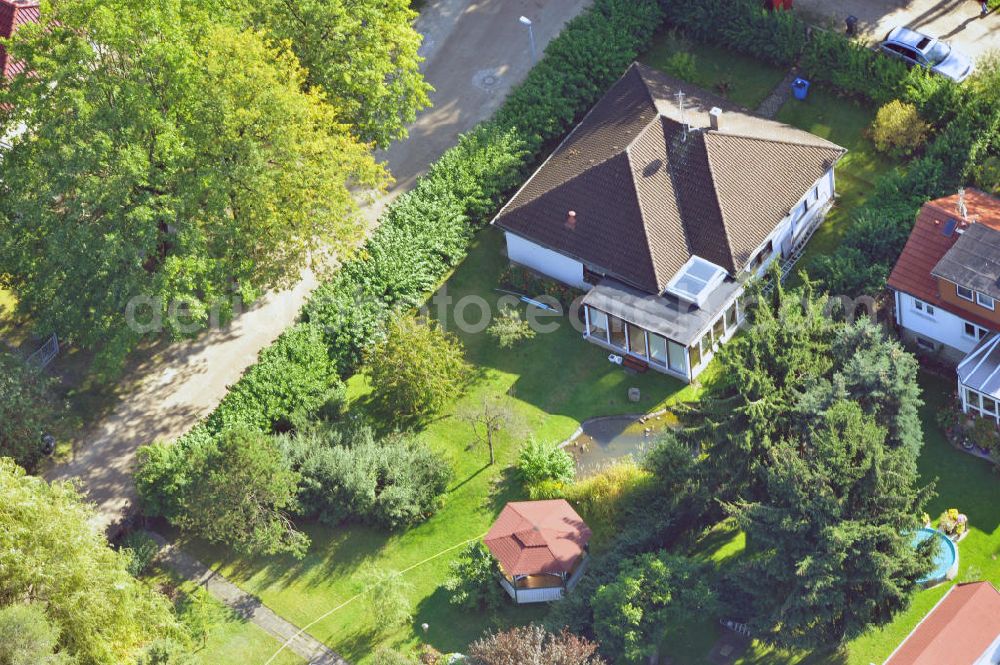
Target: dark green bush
[(347, 475)]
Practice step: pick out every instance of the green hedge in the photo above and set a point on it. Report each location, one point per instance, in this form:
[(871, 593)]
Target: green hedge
[(426, 232)]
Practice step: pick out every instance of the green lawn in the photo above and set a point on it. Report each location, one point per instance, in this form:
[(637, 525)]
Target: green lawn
[(230, 638), (739, 78), (556, 379), (845, 122)]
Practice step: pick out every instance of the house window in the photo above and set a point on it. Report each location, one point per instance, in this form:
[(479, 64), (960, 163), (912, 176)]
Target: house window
[(984, 300), (762, 256), (971, 397), (657, 349), (598, 324), (731, 317), (989, 405), (636, 340), (617, 329), (925, 344), (719, 329), (695, 354), (964, 293), (923, 307), (975, 332), (706, 344), (676, 354)]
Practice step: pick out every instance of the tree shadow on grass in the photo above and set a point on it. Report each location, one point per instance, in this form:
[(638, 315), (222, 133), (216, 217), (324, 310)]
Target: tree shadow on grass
[(506, 488)]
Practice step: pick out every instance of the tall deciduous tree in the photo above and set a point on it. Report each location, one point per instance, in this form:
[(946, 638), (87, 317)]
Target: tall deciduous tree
[(363, 53), (157, 153), (50, 554)]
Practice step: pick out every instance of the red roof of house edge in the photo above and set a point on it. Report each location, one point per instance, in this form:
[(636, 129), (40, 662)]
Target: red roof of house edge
[(14, 13), (957, 631), (537, 537), (927, 244)]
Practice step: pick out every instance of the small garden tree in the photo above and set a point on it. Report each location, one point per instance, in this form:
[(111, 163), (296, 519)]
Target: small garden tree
[(386, 596), (650, 592), (238, 492), (475, 579), (488, 418), (898, 129), (510, 327), (417, 369)]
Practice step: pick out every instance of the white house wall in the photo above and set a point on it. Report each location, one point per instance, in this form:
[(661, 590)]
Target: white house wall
[(555, 265), (943, 327)]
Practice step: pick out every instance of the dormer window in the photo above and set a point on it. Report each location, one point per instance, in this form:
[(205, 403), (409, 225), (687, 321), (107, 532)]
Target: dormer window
[(696, 280), (984, 300), (964, 293)]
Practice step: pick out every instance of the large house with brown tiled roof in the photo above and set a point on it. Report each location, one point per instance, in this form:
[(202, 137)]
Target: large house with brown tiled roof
[(661, 204), (946, 285)]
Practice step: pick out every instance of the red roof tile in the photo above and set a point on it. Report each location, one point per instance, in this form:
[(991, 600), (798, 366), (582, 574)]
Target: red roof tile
[(536, 537), (14, 13), (926, 245), (957, 631)]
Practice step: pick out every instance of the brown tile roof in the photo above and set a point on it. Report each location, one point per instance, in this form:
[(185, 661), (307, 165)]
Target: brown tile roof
[(14, 13), (927, 245), (957, 631), (648, 194), (536, 537)]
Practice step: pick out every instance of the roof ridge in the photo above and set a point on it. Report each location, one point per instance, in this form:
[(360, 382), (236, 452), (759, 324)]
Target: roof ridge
[(830, 145)]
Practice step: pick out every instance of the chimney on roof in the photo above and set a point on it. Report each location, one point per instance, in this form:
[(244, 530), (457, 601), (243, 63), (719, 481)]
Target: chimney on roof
[(963, 210), (714, 116), (571, 220)]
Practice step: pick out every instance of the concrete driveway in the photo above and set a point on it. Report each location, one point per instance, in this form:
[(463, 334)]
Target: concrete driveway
[(956, 21), (475, 51)]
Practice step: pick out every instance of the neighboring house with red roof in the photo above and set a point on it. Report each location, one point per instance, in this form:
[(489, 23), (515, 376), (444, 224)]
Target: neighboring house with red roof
[(962, 629), (661, 203), (13, 14), (946, 285), (541, 547)]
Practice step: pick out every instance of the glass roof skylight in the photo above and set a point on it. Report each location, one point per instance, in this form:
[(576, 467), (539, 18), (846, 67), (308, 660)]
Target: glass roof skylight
[(696, 280)]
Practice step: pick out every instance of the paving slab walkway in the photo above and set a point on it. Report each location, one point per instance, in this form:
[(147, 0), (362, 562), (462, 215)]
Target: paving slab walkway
[(246, 606), (772, 104), (475, 51)]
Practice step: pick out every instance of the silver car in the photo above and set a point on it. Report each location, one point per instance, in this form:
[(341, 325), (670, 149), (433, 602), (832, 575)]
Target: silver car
[(919, 49)]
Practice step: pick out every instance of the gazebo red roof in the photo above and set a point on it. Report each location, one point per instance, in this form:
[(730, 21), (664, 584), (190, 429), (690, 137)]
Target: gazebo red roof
[(538, 537)]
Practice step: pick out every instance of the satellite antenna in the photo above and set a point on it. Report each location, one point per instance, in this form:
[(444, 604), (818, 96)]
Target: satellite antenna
[(680, 105)]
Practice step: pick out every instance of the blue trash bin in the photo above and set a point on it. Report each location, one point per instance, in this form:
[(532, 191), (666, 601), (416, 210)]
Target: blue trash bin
[(800, 88)]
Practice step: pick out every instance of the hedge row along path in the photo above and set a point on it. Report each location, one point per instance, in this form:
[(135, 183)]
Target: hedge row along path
[(475, 52)]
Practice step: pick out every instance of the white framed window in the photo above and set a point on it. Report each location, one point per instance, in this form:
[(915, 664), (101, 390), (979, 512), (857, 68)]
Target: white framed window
[(989, 405), (923, 307), (964, 293), (598, 324), (974, 331), (657, 348), (984, 300)]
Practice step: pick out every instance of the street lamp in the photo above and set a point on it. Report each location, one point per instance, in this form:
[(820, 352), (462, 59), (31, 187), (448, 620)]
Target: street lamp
[(524, 20)]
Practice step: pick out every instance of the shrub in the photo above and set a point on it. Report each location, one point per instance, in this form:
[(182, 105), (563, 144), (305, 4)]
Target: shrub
[(475, 579), (533, 644), (28, 409), (600, 498), (386, 656), (509, 328), (682, 65), (142, 550), (417, 369), (538, 462), (293, 375), (898, 129), (349, 476), (528, 282)]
